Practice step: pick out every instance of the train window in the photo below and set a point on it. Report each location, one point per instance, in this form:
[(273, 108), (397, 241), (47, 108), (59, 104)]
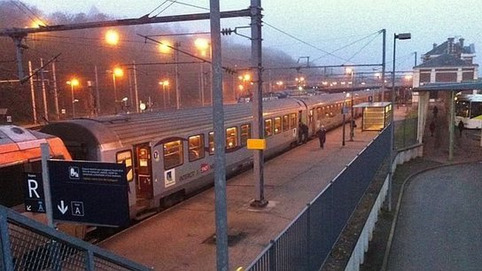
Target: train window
[(173, 154), (293, 120), (143, 160), (245, 134), (125, 157), (286, 123), (268, 127), (277, 125), (196, 147), (211, 143), (231, 138)]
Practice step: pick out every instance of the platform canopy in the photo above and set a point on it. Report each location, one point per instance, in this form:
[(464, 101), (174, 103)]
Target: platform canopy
[(450, 86)]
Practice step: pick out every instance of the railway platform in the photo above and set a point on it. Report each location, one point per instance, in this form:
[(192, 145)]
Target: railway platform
[(182, 237)]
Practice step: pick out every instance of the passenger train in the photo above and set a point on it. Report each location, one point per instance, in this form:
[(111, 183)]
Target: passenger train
[(169, 154), (20, 154), (468, 109)]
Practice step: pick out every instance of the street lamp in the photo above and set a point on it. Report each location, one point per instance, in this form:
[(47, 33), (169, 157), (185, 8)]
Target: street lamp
[(116, 72), (401, 36), (344, 118), (112, 37), (164, 84), (202, 45), (165, 47), (351, 71), (74, 82)]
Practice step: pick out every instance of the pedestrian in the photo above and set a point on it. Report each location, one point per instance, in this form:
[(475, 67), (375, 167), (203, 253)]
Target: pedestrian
[(304, 130), (322, 136), (461, 127), (432, 127), (435, 111)]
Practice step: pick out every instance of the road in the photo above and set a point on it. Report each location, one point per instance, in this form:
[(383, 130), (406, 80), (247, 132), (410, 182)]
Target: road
[(439, 222)]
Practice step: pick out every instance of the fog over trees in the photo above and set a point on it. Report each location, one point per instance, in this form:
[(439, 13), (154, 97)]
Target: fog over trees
[(81, 52)]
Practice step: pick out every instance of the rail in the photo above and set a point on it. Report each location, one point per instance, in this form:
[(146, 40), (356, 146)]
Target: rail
[(26, 244)]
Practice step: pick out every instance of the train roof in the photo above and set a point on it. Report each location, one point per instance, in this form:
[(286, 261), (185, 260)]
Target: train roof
[(470, 97), (127, 129), (19, 145)]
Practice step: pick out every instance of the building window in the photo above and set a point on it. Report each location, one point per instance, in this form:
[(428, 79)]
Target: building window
[(196, 147), (173, 154)]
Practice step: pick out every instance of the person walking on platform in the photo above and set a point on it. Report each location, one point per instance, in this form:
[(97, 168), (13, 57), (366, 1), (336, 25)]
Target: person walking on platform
[(461, 127), (322, 136), (302, 133)]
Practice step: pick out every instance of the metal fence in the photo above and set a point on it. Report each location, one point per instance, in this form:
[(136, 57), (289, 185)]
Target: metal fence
[(26, 244), (307, 242), (405, 133)]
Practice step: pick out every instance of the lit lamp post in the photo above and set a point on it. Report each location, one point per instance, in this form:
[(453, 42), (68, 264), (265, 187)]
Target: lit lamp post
[(164, 84), (165, 47), (401, 36), (352, 121), (74, 82), (245, 79), (116, 72), (202, 45), (344, 118)]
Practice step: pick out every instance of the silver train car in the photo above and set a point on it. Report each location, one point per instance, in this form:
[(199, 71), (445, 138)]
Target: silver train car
[(169, 154)]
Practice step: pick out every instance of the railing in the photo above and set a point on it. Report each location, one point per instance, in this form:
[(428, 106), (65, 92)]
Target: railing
[(405, 133), (307, 242), (26, 244)]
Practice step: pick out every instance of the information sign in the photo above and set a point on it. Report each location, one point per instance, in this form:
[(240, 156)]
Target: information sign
[(89, 192)]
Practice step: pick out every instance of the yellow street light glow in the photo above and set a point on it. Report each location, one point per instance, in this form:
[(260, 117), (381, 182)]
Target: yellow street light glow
[(37, 23), (247, 77), (112, 37), (202, 45), (165, 46), (74, 82), (164, 83), (118, 72)]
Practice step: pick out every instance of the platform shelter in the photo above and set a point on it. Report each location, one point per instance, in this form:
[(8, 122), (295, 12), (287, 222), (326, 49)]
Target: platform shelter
[(375, 115)]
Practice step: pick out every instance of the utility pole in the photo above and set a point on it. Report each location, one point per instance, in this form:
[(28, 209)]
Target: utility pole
[(258, 131), (44, 92), (56, 91), (384, 50), (32, 92)]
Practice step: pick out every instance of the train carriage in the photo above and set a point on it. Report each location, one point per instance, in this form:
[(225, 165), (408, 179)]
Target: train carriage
[(169, 154), (20, 153)]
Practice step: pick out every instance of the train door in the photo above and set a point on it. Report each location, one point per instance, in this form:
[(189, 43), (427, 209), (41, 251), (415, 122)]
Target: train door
[(143, 171), (311, 120)]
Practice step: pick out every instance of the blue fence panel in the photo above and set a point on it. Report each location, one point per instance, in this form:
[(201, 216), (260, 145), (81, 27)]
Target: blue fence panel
[(308, 241)]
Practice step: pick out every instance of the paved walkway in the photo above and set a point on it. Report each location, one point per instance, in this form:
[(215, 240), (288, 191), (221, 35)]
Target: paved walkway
[(438, 221)]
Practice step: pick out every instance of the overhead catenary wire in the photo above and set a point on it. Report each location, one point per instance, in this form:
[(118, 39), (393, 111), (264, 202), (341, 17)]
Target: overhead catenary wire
[(24, 7), (304, 42)]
